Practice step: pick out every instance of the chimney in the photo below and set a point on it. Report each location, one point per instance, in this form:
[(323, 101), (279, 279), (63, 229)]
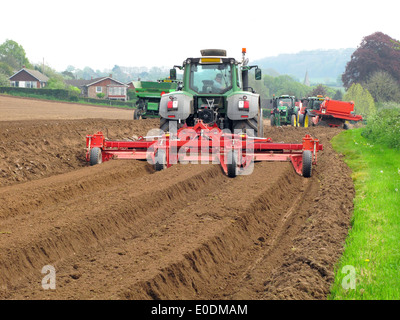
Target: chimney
[(23, 67), (110, 75)]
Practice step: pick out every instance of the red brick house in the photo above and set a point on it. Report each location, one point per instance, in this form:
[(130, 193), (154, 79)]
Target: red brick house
[(112, 89), (27, 78)]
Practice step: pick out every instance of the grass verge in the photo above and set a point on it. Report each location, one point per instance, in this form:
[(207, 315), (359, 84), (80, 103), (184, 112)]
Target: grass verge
[(369, 267)]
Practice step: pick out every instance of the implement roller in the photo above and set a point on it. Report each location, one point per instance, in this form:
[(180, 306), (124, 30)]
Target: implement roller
[(236, 153)]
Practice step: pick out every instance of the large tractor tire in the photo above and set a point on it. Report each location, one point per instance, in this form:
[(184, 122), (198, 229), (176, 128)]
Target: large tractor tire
[(231, 158), (293, 120), (307, 164), (95, 156), (304, 120)]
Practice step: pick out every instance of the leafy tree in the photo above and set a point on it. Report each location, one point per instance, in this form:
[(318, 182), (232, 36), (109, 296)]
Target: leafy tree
[(68, 75), (56, 83), (6, 69), (383, 87), (364, 103), (376, 52), (88, 73), (14, 55), (70, 68), (4, 82), (73, 93), (318, 90), (101, 95), (338, 95)]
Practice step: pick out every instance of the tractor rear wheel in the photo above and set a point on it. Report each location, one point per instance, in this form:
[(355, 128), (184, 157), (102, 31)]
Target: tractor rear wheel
[(307, 163), (304, 120), (231, 158), (95, 156), (293, 120)]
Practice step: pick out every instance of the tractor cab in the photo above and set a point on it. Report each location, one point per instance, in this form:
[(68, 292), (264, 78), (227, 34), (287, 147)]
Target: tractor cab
[(283, 102), (284, 110), (214, 90), (313, 103)]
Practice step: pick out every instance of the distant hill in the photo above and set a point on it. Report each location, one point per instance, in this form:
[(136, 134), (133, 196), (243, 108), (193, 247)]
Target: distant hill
[(323, 66)]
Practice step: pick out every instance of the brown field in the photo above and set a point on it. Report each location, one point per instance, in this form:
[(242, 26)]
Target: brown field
[(120, 230)]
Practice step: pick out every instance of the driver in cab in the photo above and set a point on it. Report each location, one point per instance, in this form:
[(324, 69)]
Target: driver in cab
[(218, 81)]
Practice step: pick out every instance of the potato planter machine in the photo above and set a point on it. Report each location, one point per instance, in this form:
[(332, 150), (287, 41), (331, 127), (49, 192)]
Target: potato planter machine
[(203, 144)]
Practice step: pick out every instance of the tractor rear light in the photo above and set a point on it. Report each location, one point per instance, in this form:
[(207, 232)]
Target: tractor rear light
[(245, 116), (162, 93), (171, 116), (244, 105), (172, 105)]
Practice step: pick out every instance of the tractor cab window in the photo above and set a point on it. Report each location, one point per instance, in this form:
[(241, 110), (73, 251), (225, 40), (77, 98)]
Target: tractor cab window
[(211, 78), (316, 105), (285, 103)]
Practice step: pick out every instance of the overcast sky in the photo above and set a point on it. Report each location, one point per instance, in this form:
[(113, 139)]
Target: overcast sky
[(101, 34)]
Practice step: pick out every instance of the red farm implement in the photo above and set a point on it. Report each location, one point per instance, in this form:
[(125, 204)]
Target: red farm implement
[(236, 153), (332, 113), (341, 111)]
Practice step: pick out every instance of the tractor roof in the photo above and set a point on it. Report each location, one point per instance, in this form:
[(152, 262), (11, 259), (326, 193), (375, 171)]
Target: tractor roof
[(213, 52)]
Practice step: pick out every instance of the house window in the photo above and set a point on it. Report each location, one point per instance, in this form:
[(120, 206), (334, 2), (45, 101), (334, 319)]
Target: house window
[(117, 91), (99, 89), (30, 84)]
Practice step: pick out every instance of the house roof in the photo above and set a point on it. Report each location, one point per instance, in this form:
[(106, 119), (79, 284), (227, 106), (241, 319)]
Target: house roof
[(34, 73), (88, 83)]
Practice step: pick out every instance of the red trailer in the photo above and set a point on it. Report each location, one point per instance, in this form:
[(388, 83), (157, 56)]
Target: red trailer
[(324, 111), (335, 113)]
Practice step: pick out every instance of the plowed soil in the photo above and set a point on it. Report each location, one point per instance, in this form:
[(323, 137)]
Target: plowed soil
[(119, 230)]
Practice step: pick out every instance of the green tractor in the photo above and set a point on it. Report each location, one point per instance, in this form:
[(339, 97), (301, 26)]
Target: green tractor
[(215, 90), (149, 95), (284, 111)]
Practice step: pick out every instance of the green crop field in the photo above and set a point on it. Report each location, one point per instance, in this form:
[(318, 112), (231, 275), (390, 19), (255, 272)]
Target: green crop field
[(369, 267)]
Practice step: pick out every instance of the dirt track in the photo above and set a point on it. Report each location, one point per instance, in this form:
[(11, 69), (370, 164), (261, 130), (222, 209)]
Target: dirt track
[(122, 231)]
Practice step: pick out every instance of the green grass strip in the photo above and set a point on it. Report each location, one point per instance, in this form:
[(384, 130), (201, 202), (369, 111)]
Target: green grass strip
[(370, 266)]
